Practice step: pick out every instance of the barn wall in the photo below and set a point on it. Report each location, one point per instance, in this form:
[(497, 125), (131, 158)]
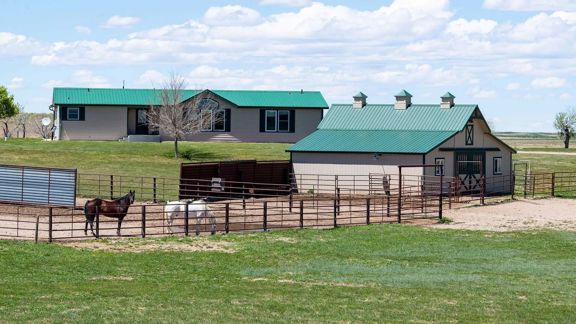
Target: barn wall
[(482, 140), (346, 165), (101, 123)]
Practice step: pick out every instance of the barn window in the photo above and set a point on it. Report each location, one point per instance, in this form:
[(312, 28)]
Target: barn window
[(283, 121), (439, 169), (73, 113), (470, 134), (497, 165)]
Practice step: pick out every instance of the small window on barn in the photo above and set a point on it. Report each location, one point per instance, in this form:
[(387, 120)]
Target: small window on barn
[(469, 134), (73, 113), (271, 116), (497, 165), (439, 169)]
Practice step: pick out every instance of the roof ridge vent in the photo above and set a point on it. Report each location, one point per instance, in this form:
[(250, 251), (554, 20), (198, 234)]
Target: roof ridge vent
[(359, 100), (447, 101), (403, 100)]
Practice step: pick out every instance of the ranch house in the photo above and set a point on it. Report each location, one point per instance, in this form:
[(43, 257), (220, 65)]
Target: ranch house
[(243, 115), (363, 139)]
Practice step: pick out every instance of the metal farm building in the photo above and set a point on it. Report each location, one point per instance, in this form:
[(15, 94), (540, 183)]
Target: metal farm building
[(360, 141)]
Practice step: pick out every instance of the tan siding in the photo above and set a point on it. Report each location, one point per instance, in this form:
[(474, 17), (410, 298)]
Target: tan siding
[(102, 123), (131, 121)]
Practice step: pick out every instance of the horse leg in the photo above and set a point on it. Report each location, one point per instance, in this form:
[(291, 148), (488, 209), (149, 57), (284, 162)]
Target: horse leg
[(86, 228), (119, 225), (199, 216), (92, 229), (212, 223)]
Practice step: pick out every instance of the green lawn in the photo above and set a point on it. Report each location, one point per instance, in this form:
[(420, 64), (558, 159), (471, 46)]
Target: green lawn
[(135, 159), (386, 273)]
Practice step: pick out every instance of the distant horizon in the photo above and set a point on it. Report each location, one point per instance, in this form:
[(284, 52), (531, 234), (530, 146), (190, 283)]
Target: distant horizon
[(514, 59)]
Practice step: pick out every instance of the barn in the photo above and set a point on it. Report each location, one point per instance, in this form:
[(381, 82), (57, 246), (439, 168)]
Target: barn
[(363, 139)]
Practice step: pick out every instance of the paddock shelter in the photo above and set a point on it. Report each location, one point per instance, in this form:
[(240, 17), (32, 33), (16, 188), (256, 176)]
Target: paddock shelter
[(364, 139)]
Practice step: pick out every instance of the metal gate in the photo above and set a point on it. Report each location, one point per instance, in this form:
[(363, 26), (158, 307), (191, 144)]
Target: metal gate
[(469, 171)]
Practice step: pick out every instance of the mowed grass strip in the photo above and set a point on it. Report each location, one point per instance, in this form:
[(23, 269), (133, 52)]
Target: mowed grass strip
[(131, 159), (388, 273)]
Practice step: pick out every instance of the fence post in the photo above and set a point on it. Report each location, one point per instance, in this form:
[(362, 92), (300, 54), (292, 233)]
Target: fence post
[(553, 189), (154, 190), (111, 186), (97, 222), (265, 221), (338, 197), (525, 184), (441, 193), (482, 188), (227, 219), (143, 221), (186, 220), (368, 211), (513, 184), (399, 195), (301, 213), (335, 213), (50, 224), (290, 200)]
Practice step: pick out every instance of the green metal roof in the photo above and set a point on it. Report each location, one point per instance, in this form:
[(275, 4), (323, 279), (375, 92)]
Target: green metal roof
[(360, 95), (403, 93), (385, 117), (146, 97), (448, 95), (371, 141)]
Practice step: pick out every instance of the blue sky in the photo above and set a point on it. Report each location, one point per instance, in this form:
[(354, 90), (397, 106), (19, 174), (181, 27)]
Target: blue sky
[(515, 58)]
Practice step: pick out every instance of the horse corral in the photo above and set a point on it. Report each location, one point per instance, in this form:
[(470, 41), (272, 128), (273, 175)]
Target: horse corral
[(311, 201)]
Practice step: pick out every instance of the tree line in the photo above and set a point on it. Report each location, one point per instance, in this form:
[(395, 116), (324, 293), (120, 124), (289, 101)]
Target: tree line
[(16, 122)]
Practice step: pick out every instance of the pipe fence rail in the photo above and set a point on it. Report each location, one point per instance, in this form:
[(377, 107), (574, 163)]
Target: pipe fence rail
[(309, 201)]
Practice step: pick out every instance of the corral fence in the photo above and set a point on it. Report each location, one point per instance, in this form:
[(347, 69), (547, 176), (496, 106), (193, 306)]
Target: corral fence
[(308, 201)]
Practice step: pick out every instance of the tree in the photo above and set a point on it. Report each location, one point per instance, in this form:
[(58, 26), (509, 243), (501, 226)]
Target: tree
[(8, 109), (565, 122), (44, 131), (177, 116), (22, 121)]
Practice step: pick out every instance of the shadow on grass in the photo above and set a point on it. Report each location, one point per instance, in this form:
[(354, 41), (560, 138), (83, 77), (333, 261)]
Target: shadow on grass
[(197, 155)]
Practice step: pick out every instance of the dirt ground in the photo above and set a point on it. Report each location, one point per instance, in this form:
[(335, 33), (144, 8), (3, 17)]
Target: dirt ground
[(552, 213)]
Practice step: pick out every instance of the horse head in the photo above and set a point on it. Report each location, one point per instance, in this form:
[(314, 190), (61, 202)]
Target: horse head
[(131, 196)]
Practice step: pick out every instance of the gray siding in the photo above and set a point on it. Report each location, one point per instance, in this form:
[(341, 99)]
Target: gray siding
[(102, 123)]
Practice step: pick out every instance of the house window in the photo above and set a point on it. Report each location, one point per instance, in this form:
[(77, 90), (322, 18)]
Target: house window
[(271, 120), (283, 121), (470, 134), (277, 121), (214, 120), (497, 165), (439, 169), (73, 113)]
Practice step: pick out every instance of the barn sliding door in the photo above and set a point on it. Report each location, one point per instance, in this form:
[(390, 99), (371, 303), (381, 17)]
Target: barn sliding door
[(470, 166)]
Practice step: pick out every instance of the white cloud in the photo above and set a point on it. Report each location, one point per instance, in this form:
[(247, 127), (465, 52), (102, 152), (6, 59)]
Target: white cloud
[(530, 5), (18, 45), (566, 96), (50, 84), (83, 30), (291, 3), (152, 79), (462, 27), (480, 93), (548, 83), (15, 83), (120, 21), (231, 15), (89, 79)]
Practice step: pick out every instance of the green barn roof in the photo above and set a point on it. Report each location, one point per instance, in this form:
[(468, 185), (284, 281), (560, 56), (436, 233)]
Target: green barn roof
[(147, 97), (383, 129)]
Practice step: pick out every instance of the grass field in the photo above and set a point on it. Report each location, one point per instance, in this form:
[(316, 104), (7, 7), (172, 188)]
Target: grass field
[(135, 159), (387, 273)]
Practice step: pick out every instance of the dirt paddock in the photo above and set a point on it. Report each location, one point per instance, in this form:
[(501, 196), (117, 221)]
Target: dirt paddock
[(518, 215)]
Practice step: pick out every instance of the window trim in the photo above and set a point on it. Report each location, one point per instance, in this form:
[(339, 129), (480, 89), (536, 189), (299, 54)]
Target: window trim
[(69, 109), (275, 130), (494, 169), (442, 169)]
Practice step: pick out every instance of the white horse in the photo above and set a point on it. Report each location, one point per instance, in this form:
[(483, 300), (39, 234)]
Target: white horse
[(197, 208)]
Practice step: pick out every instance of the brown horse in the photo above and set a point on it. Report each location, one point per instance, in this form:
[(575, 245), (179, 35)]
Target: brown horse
[(117, 208)]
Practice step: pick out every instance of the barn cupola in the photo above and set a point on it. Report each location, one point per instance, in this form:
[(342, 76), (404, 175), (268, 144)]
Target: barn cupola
[(359, 100), (403, 100), (447, 101)]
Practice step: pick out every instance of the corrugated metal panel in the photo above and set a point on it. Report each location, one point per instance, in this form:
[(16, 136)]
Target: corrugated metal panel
[(385, 117), (371, 141), (145, 97), (37, 185)]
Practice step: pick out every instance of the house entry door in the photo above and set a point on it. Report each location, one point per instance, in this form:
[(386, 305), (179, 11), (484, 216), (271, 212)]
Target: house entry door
[(141, 122), (469, 168)]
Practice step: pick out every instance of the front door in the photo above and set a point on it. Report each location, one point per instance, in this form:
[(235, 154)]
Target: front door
[(469, 170), (141, 122)]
